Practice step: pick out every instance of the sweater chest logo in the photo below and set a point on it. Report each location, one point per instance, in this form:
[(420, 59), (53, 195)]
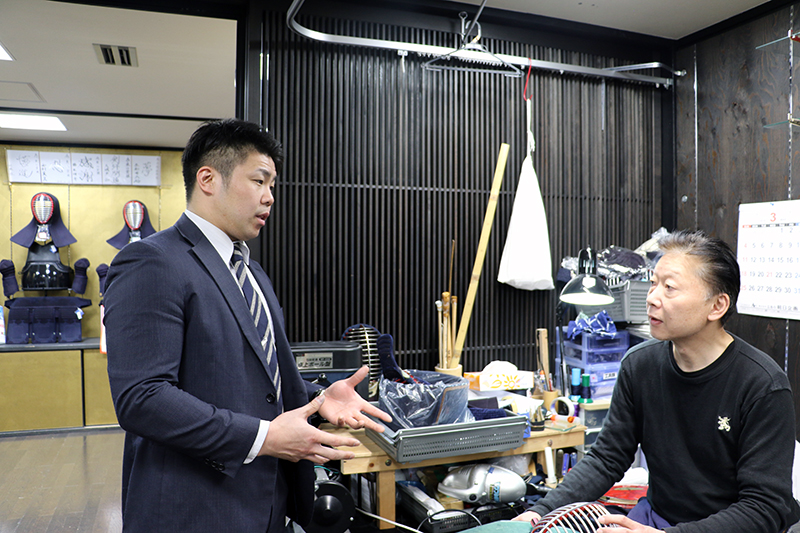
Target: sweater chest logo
[(724, 423)]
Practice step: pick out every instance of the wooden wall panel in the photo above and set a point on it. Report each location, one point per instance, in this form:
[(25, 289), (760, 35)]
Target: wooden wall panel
[(739, 90), (741, 160), (686, 137), (98, 404), (40, 390)]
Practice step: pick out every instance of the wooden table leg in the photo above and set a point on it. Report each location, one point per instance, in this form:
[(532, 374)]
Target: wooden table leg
[(386, 495)]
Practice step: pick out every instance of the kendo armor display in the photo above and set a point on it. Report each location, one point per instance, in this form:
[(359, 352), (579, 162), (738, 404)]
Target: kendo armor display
[(43, 236), (44, 319), (137, 225)]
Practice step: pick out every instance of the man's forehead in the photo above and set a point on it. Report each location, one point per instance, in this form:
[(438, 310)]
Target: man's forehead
[(263, 163), (677, 264)]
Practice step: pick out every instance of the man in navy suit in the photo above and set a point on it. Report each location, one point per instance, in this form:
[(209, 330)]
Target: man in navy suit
[(214, 441)]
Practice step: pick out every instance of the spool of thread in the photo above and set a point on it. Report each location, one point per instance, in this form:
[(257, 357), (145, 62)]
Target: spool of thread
[(586, 389), (576, 385)]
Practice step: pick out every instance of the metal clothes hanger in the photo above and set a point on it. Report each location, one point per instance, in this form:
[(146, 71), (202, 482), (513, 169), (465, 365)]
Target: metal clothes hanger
[(476, 52)]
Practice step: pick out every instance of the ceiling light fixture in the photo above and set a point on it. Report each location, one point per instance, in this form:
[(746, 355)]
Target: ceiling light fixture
[(4, 54), (31, 122)]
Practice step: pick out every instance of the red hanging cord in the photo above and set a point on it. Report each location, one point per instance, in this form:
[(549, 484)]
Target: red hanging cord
[(525, 90)]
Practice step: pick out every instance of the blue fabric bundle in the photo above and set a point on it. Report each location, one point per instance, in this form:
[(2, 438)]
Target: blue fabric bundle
[(599, 324)]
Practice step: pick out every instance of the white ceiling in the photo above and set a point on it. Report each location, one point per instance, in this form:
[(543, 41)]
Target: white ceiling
[(187, 68), (187, 64), (671, 19)]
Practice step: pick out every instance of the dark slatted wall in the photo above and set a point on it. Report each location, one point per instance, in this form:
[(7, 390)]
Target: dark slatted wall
[(726, 156), (388, 164)]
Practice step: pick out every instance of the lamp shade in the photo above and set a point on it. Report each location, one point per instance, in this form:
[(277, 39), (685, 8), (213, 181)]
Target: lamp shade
[(587, 288)]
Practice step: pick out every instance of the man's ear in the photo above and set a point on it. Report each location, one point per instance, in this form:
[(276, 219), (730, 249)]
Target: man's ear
[(722, 302), (207, 180)]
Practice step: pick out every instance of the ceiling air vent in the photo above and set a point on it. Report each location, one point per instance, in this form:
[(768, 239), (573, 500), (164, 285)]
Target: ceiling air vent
[(108, 54)]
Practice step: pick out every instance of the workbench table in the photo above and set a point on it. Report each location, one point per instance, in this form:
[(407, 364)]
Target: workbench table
[(369, 457)]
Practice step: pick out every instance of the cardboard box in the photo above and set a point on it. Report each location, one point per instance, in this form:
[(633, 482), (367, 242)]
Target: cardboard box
[(519, 379), (448, 502)]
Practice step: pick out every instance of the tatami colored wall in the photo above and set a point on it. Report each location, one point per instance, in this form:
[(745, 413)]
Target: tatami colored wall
[(93, 214)]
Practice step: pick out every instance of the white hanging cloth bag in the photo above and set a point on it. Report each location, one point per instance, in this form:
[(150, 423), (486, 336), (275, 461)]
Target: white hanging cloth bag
[(526, 262)]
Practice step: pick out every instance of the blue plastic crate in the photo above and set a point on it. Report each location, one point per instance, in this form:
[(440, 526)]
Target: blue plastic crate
[(602, 376), (595, 357), (594, 349), (630, 303)]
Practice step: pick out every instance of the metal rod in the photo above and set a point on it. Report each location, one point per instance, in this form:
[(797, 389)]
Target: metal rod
[(790, 35), (431, 50), (643, 66), (472, 23)]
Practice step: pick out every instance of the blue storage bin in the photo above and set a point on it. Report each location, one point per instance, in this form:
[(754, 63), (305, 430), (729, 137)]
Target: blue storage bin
[(596, 357), (593, 418), (593, 349), (602, 377)]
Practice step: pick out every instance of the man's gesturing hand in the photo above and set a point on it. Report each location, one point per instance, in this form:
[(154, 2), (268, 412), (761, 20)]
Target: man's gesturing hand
[(344, 407), (291, 437)]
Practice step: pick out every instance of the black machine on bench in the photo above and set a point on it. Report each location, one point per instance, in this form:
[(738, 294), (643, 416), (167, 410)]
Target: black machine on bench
[(324, 362)]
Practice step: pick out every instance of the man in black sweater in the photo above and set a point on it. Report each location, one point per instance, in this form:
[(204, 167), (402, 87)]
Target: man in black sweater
[(714, 415)]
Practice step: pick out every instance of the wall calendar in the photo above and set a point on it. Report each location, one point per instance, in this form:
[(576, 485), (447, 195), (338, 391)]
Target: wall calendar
[(769, 259)]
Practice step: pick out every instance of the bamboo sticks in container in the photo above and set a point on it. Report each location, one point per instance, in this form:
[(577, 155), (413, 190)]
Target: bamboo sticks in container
[(483, 244), (446, 308), (452, 338)]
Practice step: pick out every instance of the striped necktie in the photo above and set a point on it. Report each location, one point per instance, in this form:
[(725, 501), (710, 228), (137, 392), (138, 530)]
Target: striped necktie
[(260, 314)]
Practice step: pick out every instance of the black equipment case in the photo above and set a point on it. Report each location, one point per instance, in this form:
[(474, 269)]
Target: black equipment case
[(324, 362)]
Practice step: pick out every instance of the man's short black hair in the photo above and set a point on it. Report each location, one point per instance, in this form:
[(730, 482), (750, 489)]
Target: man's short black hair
[(719, 268), (224, 144)]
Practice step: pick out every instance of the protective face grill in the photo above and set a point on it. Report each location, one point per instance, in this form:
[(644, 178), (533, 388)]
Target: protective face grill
[(133, 213), (42, 206)]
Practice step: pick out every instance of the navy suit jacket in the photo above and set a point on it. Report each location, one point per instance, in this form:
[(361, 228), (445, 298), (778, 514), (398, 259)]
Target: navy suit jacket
[(190, 384)]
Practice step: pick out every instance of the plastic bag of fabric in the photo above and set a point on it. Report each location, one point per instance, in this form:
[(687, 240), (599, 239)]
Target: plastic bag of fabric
[(430, 399)]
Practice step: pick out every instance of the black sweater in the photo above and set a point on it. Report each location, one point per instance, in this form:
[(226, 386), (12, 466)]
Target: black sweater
[(719, 442)]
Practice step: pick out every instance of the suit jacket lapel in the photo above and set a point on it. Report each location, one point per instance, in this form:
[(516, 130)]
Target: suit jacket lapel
[(230, 290)]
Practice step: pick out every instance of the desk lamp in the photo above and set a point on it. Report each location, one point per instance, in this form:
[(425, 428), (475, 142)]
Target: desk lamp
[(587, 288)]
